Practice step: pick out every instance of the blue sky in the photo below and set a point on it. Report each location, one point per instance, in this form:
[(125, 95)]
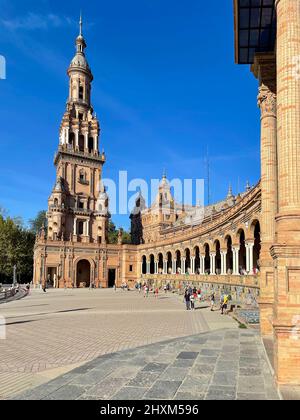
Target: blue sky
[(166, 88)]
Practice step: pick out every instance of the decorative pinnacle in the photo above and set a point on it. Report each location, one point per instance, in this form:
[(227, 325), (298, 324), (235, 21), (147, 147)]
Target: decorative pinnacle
[(80, 24)]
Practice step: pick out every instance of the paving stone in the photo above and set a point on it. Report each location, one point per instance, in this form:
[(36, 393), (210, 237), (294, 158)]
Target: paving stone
[(224, 379), (209, 352), (155, 367), (195, 384), (107, 388), (251, 397), (230, 349), (185, 363), (144, 379), (130, 393), (188, 355), (91, 378), (221, 393), (189, 396), (250, 371), (227, 366), (251, 384), (128, 372), (204, 360), (174, 374), (199, 370), (67, 392), (163, 390)]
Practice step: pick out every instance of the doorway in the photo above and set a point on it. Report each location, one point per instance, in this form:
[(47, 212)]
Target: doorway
[(83, 274), (111, 277)]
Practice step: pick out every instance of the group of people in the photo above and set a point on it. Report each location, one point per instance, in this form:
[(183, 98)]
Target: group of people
[(190, 297)]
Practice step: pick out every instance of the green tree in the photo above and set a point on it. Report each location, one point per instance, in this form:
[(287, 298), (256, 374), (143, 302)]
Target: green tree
[(37, 223), (112, 233), (16, 248)]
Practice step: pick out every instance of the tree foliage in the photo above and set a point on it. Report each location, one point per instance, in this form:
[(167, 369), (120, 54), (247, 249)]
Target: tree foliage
[(113, 233), (16, 248), (40, 221)]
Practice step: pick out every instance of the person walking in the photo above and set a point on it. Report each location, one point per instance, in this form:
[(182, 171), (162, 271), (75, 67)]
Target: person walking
[(225, 305), (187, 299), (45, 287), (192, 300)]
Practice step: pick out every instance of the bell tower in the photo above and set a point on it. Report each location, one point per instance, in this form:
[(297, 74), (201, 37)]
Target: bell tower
[(74, 212)]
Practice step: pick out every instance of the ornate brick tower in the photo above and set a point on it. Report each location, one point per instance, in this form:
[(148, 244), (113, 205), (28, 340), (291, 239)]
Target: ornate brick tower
[(78, 205)]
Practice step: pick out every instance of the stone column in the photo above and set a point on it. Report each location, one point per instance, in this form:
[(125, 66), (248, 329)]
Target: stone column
[(202, 264), (183, 261), (235, 254), (86, 146), (223, 262), (264, 69), (142, 268), (148, 267), (96, 143), (193, 265), (174, 267), (286, 250), (212, 264), (249, 257), (76, 139)]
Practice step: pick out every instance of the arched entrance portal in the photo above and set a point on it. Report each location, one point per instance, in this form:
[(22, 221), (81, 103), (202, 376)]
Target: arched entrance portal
[(83, 274)]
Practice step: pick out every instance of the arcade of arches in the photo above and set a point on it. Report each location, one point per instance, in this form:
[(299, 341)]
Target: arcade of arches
[(211, 258)]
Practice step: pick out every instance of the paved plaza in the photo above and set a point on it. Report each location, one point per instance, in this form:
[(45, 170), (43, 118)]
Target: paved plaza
[(103, 344)]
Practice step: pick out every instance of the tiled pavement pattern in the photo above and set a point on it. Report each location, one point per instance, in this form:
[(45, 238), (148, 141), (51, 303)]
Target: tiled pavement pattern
[(221, 365), (51, 334)]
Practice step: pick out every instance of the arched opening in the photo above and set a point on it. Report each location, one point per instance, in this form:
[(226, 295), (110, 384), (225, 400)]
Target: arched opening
[(242, 252), (81, 143), (257, 248), (229, 256), (169, 259), (218, 257), (160, 263), (187, 261), (178, 262), (80, 95), (91, 144), (207, 259), (80, 227), (71, 139), (83, 274), (152, 265), (144, 265), (55, 202), (197, 260)]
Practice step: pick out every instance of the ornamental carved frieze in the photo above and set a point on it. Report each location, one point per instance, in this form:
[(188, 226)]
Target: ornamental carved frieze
[(267, 102)]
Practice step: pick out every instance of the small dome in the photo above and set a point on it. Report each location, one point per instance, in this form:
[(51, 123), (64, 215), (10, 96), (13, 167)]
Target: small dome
[(80, 61)]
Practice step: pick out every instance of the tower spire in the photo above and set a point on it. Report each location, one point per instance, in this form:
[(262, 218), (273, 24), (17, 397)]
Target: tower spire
[(80, 24)]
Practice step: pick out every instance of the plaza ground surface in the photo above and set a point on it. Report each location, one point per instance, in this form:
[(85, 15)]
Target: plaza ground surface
[(104, 344)]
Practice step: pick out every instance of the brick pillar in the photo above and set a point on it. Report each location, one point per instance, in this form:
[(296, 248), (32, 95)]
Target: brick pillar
[(264, 69), (286, 250)]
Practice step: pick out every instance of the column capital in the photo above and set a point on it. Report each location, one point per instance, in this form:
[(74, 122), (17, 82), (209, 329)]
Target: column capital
[(267, 102)]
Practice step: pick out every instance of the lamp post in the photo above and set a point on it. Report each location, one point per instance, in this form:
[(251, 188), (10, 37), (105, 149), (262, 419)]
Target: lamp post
[(15, 276)]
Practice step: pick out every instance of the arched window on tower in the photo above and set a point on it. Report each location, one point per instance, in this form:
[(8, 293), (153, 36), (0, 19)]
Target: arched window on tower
[(81, 143), (91, 144), (80, 227), (81, 92), (71, 139)]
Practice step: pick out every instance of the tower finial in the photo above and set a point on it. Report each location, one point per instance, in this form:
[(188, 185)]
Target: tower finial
[(80, 24), (165, 174), (230, 194)]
